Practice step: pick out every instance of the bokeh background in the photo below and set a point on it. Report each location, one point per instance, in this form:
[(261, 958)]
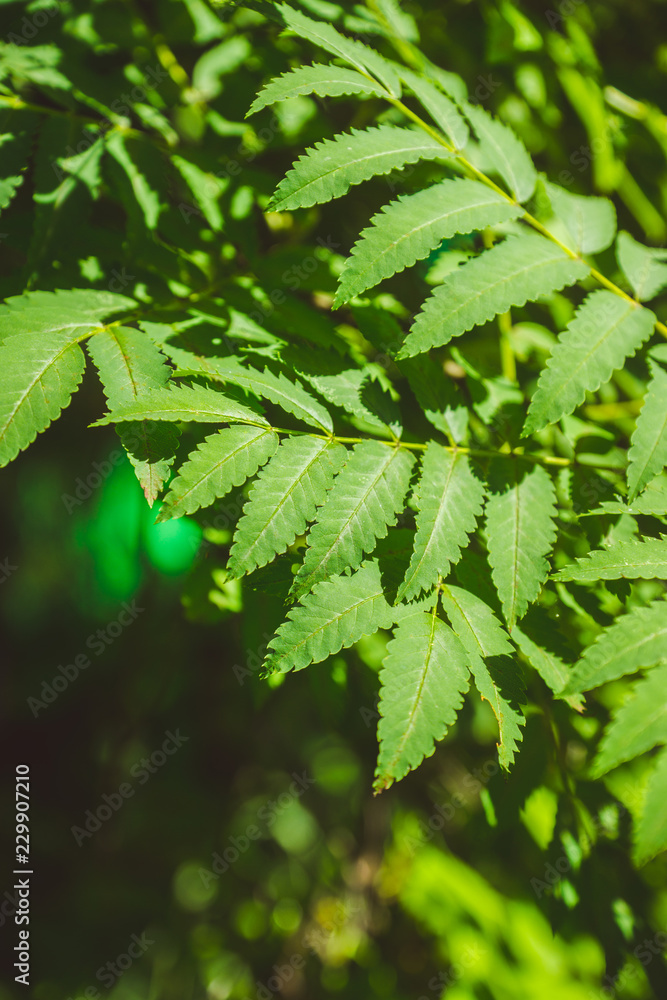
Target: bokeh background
[(254, 861)]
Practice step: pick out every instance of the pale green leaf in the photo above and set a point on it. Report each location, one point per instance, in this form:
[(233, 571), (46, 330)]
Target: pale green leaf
[(644, 267), (646, 560), (288, 394), (504, 151), (423, 679), (442, 110), (520, 512), (637, 639), (335, 615), (497, 680), (325, 81), (363, 502), (130, 364), (283, 499), (37, 378), (331, 167), (638, 725), (223, 460), (604, 332), (515, 271), (590, 221), (647, 456), (651, 830), (184, 403), (363, 58), (449, 500), (408, 230)]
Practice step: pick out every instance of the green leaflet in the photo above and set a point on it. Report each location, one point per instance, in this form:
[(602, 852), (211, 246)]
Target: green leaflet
[(283, 499), (653, 500), (644, 267), (519, 269), (423, 679), (646, 560), (520, 512), (638, 725), (589, 221), (130, 364), (637, 639), (331, 167), (437, 395), (408, 229), (355, 53), (40, 362), (497, 681), (604, 332), (325, 81), (223, 460), (651, 829), (443, 111), (336, 614), (364, 500), (76, 311), (37, 379), (288, 395), (449, 501), (503, 150), (648, 451), (184, 403)]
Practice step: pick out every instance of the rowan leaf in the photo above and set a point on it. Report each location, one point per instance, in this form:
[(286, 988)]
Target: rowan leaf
[(423, 679), (408, 230), (645, 560), (638, 725), (184, 403), (496, 676), (336, 614), (604, 332), (331, 167), (518, 269), (363, 502), (283, 499), (647, 456), (221, 462), (449, 500), (504, 152), (320, 79), (520, 512), (635, 640)]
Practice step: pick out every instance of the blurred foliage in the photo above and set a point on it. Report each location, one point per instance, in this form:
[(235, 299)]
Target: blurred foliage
[(448, 884)]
